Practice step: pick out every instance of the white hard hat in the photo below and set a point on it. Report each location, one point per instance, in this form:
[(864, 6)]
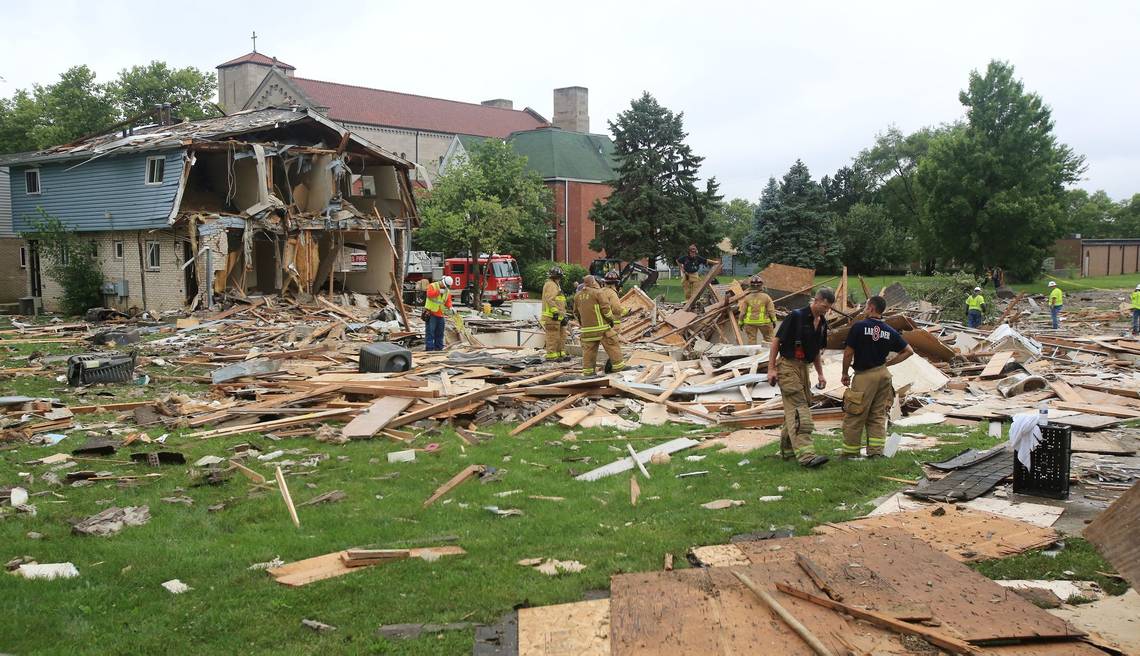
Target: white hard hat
[(1052, 283), (448, 281), (1138, 288), (977, 289)]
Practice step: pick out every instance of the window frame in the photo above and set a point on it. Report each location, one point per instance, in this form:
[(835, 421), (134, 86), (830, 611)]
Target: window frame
[(118, 250), (146, 179), (153, 263), (23, 257), (39, 182)]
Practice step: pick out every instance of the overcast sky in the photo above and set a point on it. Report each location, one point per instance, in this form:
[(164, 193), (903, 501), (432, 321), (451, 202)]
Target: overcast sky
[(760, 83)]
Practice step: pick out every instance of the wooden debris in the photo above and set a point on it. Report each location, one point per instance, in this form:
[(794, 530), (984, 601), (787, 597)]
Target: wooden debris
[(468, 472), (281, 485)]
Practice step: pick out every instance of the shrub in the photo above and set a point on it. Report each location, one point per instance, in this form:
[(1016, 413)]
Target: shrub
[(71, 262), (949, 291), (535, 275)]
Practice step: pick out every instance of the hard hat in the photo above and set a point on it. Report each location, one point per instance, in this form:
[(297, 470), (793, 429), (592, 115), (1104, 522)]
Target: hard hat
[(756, 281), (612, 277), (555, 271), (448, 281), (1138, 288), (1052, 283), (977, 289)]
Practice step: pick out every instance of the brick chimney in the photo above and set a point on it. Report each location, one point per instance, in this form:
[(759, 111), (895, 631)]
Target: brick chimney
[(572, 109), (501, 103)]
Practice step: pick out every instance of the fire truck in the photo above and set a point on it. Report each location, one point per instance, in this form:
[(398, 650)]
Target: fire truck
[(501, 278)]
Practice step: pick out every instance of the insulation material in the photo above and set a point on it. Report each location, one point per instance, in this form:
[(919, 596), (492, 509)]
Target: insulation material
[(301, 261)]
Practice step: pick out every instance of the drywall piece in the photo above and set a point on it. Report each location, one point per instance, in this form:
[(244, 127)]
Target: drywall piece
[(1114, 532), (924, 419), (578, 629), (1034, 513), (720, 555), (963, 534), (654, 414), (174, 586), (247, 368), (626, 464), (742, 441), (48, 571), (1115, 620)]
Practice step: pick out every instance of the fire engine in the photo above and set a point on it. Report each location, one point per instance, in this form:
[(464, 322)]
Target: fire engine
[(500, 277)]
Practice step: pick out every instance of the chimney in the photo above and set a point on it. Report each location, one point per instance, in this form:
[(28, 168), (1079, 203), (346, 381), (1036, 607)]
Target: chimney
[(572, 109), (501, 103)]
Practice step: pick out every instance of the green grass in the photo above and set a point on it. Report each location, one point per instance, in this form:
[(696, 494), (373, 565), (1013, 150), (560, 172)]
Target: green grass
[(117, 606), (1078, 557)]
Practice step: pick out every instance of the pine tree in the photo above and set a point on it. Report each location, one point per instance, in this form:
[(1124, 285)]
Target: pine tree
[(793, 225), (656, 207)]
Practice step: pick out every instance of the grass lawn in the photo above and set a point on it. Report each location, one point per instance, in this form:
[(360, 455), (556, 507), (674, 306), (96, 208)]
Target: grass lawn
[(117, 606)]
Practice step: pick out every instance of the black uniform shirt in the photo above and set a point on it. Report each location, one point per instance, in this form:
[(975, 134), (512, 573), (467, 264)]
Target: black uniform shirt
[(873, 340), (692, 263), (798, 329)]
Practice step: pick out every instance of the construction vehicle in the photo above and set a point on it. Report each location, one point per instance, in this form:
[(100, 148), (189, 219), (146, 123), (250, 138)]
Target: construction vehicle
[(601, 266), (500, 276)]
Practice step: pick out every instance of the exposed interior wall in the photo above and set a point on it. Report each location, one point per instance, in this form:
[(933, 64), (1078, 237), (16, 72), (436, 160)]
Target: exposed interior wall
[(377, 278)]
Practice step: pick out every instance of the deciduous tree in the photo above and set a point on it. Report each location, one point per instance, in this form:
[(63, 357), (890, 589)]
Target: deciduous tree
[(139, 88)]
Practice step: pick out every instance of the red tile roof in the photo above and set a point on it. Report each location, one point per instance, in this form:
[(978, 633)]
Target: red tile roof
[(258, 58), (404, 110)]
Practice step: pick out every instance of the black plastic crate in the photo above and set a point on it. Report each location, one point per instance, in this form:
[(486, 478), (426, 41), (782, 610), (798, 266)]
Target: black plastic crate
[(100, 368), (1048, 473), (382, 357)]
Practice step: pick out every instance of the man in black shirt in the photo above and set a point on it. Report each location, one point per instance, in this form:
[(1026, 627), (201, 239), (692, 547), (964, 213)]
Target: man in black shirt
[(690, 264), (800, 340), (867, 401)]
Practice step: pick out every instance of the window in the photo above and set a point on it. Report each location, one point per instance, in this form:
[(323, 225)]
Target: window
[(32, 181), (363, 185), (459, 268), (119, 250), (23, 257), (153, 256), (155, 168), (94, 248), (64, 256)]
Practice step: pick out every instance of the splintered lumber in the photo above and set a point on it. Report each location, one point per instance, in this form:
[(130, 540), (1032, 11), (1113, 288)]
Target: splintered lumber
[(564, 403), (702, 287), (802, 631), (645, 396), (108, 407), (1099, 409), (1065, 392), (812, 570), (375, 418), (534, 379), (678, 381), (626, 464), (996, 364), (363, 557), (248, 473), (938, 639), (468, 472), (633, 454), (276, 423), (327, 566), (444, 406), (287, 497)]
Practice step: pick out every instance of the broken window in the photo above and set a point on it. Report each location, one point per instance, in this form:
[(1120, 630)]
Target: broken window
[(363, 185), (119, 250), (153, 255), (32, 181), (155, 168)]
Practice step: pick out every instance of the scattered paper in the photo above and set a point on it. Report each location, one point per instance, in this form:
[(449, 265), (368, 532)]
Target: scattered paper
[(721, 504), (174, 586), (48, 571)]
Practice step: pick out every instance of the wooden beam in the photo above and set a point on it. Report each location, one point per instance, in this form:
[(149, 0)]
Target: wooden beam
[(468, 472), (812, 570), (277, 423), (564, 403), (996, 364), (802, 631), (678, 381), (645, 396), (702, 287), (450, 404), (287, 497)]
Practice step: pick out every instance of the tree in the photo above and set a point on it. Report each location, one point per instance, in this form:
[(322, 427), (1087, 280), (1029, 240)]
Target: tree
[(996, 189), (70, 261), (656, 206), (139, 88), (869, 240), (1092, 216), (792, 224), (849, 185), (487, 203), (734, 220)]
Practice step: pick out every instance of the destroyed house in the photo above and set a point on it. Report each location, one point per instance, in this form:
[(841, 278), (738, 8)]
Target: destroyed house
[(267, 201)]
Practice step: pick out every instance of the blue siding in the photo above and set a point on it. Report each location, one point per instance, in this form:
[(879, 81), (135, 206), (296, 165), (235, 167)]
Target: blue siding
[(81, 198)]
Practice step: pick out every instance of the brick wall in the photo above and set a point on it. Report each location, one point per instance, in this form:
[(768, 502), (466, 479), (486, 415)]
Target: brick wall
[(13, 277), (165, 287), (578, 226)]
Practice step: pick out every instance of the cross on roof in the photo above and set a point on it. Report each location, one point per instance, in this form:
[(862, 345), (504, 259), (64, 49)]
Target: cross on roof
[(253, 37)]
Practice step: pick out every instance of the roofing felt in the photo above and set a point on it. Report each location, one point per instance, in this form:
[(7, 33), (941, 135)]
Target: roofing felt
[(554, 153), (355, 104), (258, 58)]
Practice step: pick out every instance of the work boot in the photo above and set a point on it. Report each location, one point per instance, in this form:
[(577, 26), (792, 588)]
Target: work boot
[(609, 367), (815, 461)]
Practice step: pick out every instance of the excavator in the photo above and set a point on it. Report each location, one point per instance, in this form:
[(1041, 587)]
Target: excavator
[(601, 266)]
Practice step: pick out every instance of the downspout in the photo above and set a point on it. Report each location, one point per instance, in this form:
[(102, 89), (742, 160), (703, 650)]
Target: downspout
[(142, 268), (566, 218)]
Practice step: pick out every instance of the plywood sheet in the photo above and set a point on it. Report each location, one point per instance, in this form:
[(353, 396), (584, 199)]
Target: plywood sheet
[(375, 417), (928, 346), (962, 534), (1114, 533), (1035, 513), (1096, 443), (579, 629), (331, 565), (787, 278)]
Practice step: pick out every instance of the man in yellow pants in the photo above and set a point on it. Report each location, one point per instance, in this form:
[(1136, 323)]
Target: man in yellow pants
[(554, 317), (800, 341), (867, 401), (757, 312), (690, 266), (596, 317)]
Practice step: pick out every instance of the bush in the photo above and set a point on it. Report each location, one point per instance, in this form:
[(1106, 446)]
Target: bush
[(70, 262), (949, 291), (535, 276)]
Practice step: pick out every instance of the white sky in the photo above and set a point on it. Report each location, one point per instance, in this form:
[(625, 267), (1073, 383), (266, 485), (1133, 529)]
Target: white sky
[(760, 83)]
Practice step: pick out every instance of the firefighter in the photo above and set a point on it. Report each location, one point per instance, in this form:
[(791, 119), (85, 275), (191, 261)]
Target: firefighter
[(1056, 300), (690, 264), (596, 317), (554, 317), (1136, 311), (757, 312), (609, 292), (438, 300), (975, 303), (799, 342), (867, 400)]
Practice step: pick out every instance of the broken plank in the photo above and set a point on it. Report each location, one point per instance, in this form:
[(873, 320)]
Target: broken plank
[(996, 364), (645, 396), (566, 402), (287, 497), (1065, 392), (375, 418), (816, 576), (802, 631), (450, 404), (331, 565), (276, 423), (626, 464), (468, 472), (1099, 409)]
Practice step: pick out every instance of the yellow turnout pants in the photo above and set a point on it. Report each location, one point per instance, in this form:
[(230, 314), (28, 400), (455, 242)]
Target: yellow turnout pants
[(609, 342), (555, 338), (867, 403), (690, 283), (752, 330), (795, 390)]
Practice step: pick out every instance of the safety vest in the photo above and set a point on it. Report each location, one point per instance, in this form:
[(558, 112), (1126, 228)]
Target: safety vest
[(593, 314), (553, 300), (975, 302), (756, 309), (1136, 300), (1056, 297), (436, 305)]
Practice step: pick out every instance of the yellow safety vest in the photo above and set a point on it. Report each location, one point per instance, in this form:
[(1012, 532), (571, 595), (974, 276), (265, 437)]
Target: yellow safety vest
[(975, 302), (1056, 297), (1136, 300), (435, 305), (553, 300), (756, 310)]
